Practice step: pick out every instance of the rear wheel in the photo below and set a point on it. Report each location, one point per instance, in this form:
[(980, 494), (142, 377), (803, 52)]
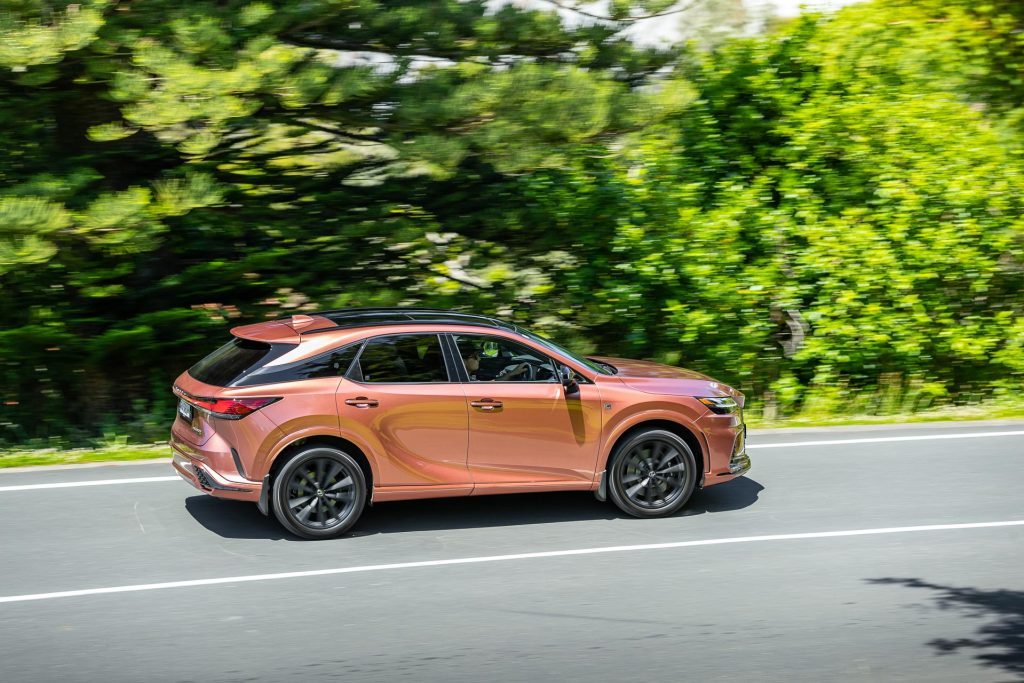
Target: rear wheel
[(319, 493), (652, 474)]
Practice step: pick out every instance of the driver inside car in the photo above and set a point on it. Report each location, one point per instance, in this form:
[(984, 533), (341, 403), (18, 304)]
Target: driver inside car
[(471, 357)]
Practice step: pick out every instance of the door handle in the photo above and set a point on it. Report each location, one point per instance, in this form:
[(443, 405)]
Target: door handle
[(486, 404), (362, 402)]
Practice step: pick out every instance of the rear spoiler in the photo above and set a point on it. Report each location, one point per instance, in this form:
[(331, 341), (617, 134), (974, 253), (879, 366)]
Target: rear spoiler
[(288, 331)]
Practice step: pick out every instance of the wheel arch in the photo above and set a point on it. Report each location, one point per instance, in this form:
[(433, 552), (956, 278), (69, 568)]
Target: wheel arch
[(692, 436), (330, 440)]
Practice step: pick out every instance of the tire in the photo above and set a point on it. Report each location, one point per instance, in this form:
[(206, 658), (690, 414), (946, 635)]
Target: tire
[(652, 473), (319, 493)]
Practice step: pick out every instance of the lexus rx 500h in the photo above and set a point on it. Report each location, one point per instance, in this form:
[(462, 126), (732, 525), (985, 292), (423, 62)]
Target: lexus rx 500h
[(315, 417)]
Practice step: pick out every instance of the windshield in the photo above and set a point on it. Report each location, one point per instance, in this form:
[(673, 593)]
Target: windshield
[(586, 362)]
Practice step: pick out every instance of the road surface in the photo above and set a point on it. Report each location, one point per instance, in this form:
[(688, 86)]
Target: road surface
[(758, 580)]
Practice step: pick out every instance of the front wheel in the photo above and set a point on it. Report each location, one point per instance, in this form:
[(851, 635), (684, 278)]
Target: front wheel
[(652, 473), (319, 493)]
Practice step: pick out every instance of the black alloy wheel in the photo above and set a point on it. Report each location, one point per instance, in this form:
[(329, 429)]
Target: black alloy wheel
[(653, 473), (319, 493)]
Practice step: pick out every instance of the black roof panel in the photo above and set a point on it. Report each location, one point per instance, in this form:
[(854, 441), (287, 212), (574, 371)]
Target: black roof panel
[(371, 317)]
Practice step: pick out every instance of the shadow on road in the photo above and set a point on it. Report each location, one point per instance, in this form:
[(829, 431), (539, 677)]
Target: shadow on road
[(232, 519), (734, 495), (1000, 642), (242, 520)]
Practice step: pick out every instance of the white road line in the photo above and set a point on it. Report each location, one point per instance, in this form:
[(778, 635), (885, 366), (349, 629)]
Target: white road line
[(499, 558), (925, 437), (95, 482)]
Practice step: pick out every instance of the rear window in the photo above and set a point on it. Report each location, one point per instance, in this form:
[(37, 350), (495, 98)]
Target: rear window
[(334, 363), (228, 363)]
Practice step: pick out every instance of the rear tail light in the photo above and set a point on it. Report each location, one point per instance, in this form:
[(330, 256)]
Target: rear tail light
[(231, 408)]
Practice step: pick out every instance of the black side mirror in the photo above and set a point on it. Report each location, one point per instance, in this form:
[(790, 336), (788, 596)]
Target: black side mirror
[(568, 378)]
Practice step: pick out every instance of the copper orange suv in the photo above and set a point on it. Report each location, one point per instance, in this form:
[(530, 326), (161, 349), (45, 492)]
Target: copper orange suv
[(315, 417)]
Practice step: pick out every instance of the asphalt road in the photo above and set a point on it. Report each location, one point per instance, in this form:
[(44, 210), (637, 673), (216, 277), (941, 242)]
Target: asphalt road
[(942, 603)]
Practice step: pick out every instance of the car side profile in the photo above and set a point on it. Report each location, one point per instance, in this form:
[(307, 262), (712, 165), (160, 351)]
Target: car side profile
[(315, 417)]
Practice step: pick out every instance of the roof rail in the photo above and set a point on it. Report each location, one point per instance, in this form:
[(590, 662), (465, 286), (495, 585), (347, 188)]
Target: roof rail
[(347, 318)]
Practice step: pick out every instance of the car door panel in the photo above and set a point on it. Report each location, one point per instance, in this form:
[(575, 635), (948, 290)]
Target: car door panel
[(418, 432), (417, 429), (538, 434), (523, 428)]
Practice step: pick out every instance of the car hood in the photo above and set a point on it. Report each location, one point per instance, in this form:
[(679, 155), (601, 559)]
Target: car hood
[(657, 378)]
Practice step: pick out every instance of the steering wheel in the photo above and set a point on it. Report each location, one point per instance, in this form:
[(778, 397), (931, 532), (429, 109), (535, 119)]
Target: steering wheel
[(531, 372), (529, 375)]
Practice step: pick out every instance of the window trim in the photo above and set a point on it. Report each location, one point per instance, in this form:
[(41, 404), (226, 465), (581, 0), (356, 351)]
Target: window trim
[(366, 342)]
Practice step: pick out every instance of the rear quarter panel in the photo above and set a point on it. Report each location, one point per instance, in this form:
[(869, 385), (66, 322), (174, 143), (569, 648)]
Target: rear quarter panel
[(252, 437), (307, 408)]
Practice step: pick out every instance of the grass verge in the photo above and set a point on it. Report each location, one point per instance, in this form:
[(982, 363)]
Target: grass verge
[(56, 456), (1001, 411)]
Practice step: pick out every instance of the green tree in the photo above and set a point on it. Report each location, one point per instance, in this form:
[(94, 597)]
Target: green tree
[(809, 213), (170, 166)]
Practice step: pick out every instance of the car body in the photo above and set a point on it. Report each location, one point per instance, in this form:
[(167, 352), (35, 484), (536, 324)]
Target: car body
[(419, 403)]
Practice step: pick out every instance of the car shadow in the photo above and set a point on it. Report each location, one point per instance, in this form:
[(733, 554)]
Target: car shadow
[(999, 642), (231, 519), (234, 519), (734, 495)]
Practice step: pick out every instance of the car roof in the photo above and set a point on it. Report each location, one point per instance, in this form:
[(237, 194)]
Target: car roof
[(298, 327), (348, 318)]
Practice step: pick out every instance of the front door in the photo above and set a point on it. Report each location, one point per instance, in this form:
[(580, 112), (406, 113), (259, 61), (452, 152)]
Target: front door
[(523, 429), (398, 397)]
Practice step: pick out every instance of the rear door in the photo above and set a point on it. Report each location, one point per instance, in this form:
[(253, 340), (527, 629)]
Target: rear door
[(523, 429), (402, 397)]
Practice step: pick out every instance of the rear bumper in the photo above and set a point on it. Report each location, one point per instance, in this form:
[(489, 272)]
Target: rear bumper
[(203, 477)]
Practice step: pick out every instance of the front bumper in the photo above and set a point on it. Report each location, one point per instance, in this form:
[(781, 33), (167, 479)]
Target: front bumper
[(726, 440), (209, 481), (739, 464), (739, 461)]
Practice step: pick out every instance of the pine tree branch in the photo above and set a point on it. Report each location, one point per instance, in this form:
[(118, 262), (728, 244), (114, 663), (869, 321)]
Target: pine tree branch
[(627, 20), (423, 53), (322, 43)]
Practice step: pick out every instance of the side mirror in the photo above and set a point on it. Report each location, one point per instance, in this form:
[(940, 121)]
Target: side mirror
[(568, 378)]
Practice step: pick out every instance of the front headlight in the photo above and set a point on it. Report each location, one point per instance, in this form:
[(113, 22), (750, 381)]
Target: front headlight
[(723, 405)]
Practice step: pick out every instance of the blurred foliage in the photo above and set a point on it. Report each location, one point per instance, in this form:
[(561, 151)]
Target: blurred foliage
[(826, 212)]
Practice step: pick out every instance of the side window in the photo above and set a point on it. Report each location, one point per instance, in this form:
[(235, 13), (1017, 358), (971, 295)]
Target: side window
[(334, 363), (401, 358), (495, 359)]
